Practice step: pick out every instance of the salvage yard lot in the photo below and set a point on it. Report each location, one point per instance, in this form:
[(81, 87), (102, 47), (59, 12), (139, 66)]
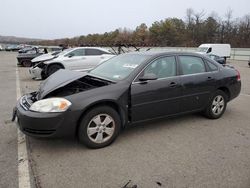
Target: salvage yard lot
[(187, 151)]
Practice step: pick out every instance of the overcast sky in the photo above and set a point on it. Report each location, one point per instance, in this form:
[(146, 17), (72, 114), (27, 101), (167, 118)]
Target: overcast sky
[(50, 19)]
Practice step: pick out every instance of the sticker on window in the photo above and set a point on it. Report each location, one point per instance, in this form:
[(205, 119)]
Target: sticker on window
[(131, 66), (117, 76)]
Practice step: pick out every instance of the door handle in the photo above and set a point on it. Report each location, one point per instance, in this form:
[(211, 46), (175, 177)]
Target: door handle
[(173, 84), (210, 78)]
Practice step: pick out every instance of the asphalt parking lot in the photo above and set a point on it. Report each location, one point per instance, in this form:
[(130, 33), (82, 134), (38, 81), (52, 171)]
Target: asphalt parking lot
[(187, 151)]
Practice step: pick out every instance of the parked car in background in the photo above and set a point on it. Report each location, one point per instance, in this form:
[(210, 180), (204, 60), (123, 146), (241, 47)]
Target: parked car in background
[(12, 47), (218, 59), (221, 50), (27, 49), (45, 57), (1, 47), (80, 59), (124, 90), (24, 59)]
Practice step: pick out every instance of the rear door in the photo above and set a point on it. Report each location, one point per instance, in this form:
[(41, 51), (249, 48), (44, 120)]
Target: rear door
[(197, 82), (93, 58), (156, 98)]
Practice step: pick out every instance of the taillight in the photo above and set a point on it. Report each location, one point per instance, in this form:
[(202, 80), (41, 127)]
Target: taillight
[(238, 75)]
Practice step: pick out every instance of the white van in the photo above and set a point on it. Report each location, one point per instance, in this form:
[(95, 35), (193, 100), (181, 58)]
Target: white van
[(222, 50)]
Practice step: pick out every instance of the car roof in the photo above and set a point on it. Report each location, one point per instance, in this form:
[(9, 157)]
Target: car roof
[(160, 53), (97, 48)]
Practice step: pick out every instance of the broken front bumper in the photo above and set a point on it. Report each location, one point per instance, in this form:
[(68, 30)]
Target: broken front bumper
[(35, 72)]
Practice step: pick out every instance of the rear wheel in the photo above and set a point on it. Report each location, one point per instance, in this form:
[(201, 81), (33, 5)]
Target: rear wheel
[(99, 127), (217, 105), (52, 69)]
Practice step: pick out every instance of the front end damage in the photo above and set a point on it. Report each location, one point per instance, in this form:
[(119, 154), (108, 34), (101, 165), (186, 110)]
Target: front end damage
[(54, 124)]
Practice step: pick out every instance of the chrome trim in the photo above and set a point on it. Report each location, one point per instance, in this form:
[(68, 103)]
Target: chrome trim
[(24, 100), (157, 79)]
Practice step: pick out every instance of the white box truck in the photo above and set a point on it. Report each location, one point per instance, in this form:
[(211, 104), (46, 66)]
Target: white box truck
[(222, 50)]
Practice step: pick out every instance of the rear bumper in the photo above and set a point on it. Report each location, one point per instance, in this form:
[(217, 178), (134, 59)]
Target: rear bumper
[(235, 90)]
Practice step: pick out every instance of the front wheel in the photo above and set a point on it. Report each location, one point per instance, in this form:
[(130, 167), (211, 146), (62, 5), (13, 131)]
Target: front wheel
[(99, 127), (217, 105)]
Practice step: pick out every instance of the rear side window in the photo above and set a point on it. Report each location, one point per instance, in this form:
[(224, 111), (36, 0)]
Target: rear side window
[(191, 65), (211, 66), (94, 52), (77, 52)]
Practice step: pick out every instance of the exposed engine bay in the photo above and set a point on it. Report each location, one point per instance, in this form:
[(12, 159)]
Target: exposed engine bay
[(77, 86)]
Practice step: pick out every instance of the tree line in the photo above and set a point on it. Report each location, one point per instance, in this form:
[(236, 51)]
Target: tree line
[(195, 29)]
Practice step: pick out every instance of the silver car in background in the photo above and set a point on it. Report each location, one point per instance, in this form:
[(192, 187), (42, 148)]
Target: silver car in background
[(78, 59)]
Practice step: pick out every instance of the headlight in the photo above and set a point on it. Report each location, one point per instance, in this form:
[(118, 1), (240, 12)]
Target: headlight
[(51, 105)]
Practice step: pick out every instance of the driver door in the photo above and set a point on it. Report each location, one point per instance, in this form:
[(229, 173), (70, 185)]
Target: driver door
[(74, 59), (156, 98)]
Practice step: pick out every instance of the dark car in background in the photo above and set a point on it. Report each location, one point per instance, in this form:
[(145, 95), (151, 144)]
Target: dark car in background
[(27, 49), (12, 48), (125, 90), (24, 59)]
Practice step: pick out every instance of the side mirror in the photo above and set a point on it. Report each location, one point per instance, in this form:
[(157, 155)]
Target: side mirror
[(70, 55), (149, 76)]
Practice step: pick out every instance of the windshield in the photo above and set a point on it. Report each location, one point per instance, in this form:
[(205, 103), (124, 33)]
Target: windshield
[(119, 67), (202, 49)]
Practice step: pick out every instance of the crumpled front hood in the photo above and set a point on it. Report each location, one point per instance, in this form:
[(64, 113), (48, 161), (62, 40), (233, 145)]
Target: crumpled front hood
[(58, 79), (43, 57)]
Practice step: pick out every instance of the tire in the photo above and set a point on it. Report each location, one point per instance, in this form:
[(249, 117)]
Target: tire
[(27, 63), (52, 69), (94, 133), (217, 105), (43, 75)]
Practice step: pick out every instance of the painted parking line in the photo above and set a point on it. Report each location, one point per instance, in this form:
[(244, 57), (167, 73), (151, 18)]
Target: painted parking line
[(23, 163), (245, 95)]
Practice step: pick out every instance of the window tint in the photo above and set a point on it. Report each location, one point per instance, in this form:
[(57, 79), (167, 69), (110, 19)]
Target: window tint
[(191, 65), (162, 67), (78, 52), (93, 52), (211, 66)]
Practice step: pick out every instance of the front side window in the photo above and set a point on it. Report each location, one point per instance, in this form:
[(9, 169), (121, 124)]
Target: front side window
[(163, 67), (211, 66), (191, 65), (209, 50), (77, 52)]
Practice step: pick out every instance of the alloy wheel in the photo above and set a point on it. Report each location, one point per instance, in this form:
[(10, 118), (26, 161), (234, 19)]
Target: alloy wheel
[(101, 128), (218, 105)]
